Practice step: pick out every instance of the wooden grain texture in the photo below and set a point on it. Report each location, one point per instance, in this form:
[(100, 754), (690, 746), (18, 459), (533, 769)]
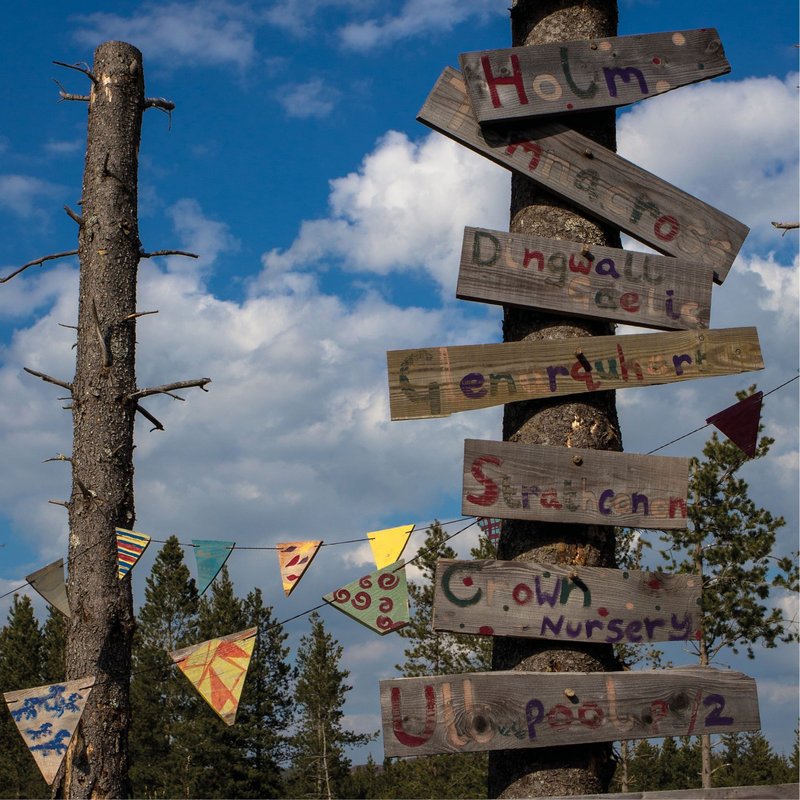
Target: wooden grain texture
[(46, 718), (777, 791), (521, 83), (49, 583), (578, 280), (438, 381), (511, 710), (574, 604), (593, 178), (378, 600), (512, 480), (294, 558)]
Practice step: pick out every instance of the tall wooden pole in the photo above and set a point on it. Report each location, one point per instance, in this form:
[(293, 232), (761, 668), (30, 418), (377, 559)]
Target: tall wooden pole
[(589, 421), (102, 622)]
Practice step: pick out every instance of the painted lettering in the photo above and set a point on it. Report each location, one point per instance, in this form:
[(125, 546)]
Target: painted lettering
[(515, 79), (589, 91), (625, 73), (410, 739), (532, 148), (478, 242), (471, 386), (491, 491), (461, 602)]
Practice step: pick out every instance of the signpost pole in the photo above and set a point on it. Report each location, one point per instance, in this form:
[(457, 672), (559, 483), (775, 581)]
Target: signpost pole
[(588, 421)]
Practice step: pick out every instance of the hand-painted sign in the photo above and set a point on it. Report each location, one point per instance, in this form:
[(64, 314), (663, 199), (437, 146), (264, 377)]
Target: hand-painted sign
[(437, 381), (595, 179), (130, 548), (388, 544), (210, 555), (46, 717), (570, 278), (378, 600), (217, 669), (525, 82), (512, 480), (511, 710), (574, 604)]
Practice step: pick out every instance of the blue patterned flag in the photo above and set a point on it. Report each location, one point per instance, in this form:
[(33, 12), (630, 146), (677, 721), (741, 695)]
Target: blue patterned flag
[(211, 556), (130, 546), (491, 527)]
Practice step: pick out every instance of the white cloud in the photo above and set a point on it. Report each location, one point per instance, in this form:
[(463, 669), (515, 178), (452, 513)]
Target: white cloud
[(63, 146), (198, 234), (733, 144), (215, 32), (20, 194), (312, 99), (405, 209), (416, 17)]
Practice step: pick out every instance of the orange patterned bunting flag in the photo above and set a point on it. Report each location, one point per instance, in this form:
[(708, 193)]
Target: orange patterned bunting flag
[(293, 559), (217, 669)]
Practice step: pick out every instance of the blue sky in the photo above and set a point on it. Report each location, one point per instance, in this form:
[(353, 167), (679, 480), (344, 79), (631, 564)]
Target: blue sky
[(329, 224)]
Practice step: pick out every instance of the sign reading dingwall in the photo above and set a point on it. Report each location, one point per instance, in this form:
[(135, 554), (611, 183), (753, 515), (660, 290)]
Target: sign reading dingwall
[(513, 269), (511, 480)]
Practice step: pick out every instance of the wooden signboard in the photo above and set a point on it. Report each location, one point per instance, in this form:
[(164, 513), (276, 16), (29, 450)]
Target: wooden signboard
[(574, 604), (438, 381), (593, 178), (525, 82), (511, 710), (512, 480), (570, 278)]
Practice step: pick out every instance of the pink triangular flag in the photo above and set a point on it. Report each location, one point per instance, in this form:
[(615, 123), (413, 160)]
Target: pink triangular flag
[(740, 422)]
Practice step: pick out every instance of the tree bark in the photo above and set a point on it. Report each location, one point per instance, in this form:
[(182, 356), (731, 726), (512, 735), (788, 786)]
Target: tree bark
[(587, 422), (102, 621)]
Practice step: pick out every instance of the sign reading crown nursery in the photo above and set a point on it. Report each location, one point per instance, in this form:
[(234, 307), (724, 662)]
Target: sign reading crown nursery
[(559, 78)]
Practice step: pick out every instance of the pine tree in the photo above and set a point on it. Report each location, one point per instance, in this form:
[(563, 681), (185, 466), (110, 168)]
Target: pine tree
[(730, 542), (54, 647), (20, 668), (747, 759), (163, 704), (320, 768)]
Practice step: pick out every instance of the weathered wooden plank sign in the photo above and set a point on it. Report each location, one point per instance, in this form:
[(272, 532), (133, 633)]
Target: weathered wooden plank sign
[(594, 178), (512, 480), (525, 82), (438, 381), (511, 710), (571, 278), (575, 604)]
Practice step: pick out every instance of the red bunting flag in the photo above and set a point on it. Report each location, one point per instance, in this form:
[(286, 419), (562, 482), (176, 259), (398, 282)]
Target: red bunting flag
[(740, 422)]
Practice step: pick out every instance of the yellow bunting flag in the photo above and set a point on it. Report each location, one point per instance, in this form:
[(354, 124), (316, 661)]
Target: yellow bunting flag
[(46, 717), (49, 582), (378, 600), (130, 547), (293, 559), (217, 669), (388, 545)]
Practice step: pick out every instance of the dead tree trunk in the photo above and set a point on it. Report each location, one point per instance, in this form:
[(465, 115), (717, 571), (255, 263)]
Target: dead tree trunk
[(102, 622), (590, 422)]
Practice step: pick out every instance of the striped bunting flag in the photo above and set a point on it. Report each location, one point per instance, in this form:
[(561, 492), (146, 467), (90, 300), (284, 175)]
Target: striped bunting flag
[(130, 546)]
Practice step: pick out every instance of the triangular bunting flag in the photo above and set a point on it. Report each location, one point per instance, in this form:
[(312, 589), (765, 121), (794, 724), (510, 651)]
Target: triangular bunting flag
[(217, 669), (388, 545), (49, 582), (211, 556), (740, 422), (293, 559), (378, 600), (491, 527), (47, 717), (130, 547)]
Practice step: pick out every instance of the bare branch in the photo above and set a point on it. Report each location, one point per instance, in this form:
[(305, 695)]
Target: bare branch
[(159, 102), (59, 457), (87, 493), (148, 416), (72, 327), (38, 261), (59, 503), (72, 215), (139, 314), (49, 379), (65, 95), (100, 338), (142, 254), (84, 69), (200, 383), (786, 226)]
